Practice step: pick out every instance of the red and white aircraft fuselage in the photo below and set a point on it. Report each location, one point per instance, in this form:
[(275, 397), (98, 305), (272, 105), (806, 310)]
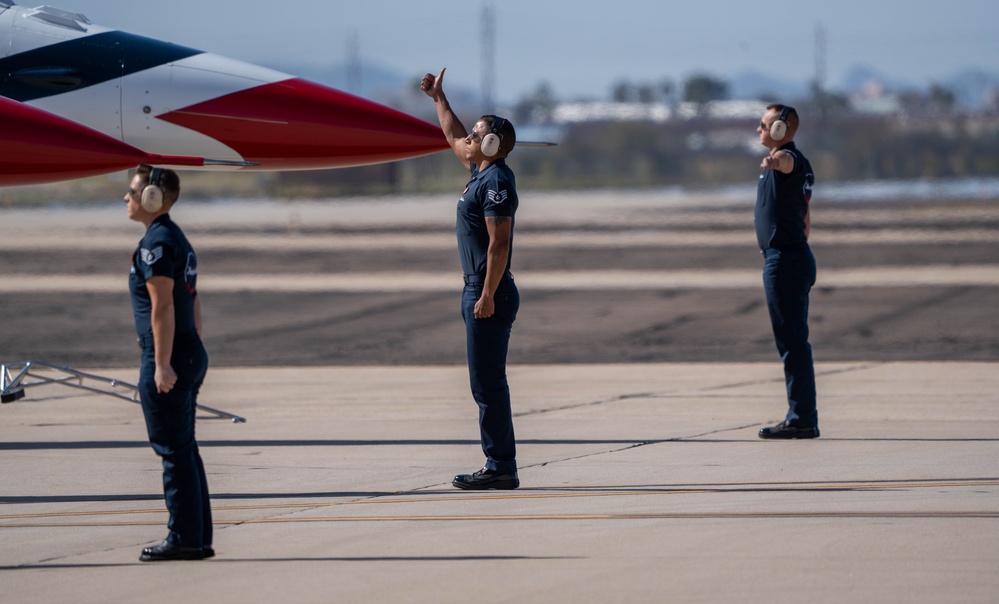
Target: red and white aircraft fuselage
[(169, 100)]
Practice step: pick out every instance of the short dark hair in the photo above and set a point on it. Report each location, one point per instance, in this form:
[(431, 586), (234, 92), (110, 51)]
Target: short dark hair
[(508, 136), (169, 181)]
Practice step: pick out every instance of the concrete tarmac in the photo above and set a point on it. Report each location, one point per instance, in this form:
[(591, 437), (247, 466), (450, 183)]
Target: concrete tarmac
[(640, 483), (641, 369)]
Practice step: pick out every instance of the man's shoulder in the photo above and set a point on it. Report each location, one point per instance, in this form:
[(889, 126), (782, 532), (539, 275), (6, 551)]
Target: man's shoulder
[(499, 173), (166, 235), (157, 233), (801, 164), (795, 152)]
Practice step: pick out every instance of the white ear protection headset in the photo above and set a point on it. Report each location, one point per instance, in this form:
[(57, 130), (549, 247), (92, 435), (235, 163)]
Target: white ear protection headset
[(778, 129), (152, 193), (491, 142)]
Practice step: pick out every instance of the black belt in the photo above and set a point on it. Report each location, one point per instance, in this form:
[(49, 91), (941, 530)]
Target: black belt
[(791, 247), (146, 339), (473, 279)]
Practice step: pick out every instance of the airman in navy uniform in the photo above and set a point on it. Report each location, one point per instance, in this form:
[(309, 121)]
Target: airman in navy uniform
[(783, 222), (490, 300), (163, 284)]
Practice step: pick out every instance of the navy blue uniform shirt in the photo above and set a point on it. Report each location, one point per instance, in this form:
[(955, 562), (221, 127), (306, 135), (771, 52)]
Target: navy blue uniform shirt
[(164, 252), (782, 202), (492, 192)]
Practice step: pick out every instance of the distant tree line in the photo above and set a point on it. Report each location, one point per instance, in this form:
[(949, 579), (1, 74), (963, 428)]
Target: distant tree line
[(927, 138), (841, 147)]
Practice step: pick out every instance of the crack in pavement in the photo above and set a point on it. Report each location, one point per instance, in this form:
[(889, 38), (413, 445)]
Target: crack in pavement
[(638, 395)]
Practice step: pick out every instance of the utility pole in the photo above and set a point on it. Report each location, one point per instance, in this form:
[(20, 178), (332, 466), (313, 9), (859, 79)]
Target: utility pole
[(353, 63), (820, 56), (819, 85), (488, 41)]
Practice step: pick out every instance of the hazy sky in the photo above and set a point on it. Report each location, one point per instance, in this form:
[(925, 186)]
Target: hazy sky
[(581, 47)]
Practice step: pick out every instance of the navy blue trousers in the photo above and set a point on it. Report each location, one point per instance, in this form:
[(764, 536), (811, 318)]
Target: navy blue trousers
[(487, 341), (788, 277), (170, 425)]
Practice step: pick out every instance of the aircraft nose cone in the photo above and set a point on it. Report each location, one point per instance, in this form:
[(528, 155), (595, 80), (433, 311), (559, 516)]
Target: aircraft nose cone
[(37, 147), (298, 125)]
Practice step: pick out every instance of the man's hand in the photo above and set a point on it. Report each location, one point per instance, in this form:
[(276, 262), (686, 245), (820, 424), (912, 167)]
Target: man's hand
[(165, 378), (433, 85), (485, 307)]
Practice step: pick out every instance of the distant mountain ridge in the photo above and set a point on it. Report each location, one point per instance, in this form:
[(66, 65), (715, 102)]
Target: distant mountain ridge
[(973, 88)]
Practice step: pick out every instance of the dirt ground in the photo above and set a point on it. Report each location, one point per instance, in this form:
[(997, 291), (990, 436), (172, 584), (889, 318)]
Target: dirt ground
[(956, 321)]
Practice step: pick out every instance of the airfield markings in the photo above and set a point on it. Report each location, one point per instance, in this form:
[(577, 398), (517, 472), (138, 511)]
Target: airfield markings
[(600, 491)]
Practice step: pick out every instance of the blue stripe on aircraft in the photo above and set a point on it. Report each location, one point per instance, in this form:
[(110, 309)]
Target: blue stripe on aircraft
[(75, 64)]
